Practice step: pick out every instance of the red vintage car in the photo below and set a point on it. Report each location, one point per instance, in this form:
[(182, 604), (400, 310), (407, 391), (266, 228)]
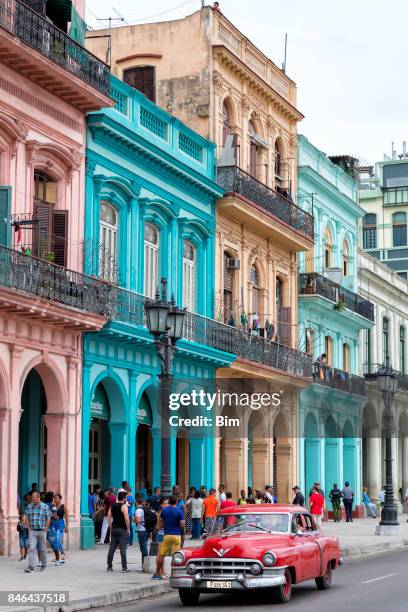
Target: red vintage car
[(251, 547)]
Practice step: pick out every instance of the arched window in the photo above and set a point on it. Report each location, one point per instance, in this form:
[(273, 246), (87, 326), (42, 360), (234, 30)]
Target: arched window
[(278, 167), (328, 349), (385, 336), (108, 240), (228, 291), (226, 124), (255, 291), (309, 341), (253, 150), (399, 229), (50, 234), (151, 259), (402, 349), (189, 274), (328, 248), (370, 231), (346, 260), (346, 357)]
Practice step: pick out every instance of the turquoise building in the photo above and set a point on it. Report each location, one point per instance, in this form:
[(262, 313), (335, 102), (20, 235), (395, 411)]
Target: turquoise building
[(150, 213), (331, 315)]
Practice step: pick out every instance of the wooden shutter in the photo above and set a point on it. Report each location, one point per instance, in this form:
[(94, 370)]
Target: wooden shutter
[(5, 199), (143, 79), (285, 327), (59, 235), (42, 237)]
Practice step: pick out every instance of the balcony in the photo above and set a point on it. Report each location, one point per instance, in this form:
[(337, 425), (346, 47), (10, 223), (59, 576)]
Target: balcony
[(317, 284), (33, 46), (338, 379), (370, 374), (236, 181)]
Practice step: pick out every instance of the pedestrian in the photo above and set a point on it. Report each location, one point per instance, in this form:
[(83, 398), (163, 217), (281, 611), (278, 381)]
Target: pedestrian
[(209, 511), (99, 515), (299, 499), (60, 524), (227, 502), (371, 507), (316, 503), (317, 486), (153, 501), (268, 494), (130, 500), (405, 501), (123, 488), (203, 492), (242, 498), (348, 498), (142, 534), (196, 504), (335, 498), (172, 522), (381, 497), (221, 493), (25, 502), (38, 517), (259, 498), (182, 505), (52, 536), (108, 501), (119, 524), (92, 503), (188, 510), (23, 536)]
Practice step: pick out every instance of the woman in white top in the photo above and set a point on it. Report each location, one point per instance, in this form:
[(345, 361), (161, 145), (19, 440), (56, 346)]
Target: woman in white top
[(196, 504)]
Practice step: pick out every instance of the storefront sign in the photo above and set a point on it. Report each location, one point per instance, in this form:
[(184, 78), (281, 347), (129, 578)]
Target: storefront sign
[(100, 404), (144, 413)]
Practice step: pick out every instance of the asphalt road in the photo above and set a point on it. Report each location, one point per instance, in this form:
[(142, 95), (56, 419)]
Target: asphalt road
[(373, 584)]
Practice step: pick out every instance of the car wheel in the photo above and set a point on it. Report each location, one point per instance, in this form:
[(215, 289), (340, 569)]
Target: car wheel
[(324, 582), (189, 597), (283, 593)]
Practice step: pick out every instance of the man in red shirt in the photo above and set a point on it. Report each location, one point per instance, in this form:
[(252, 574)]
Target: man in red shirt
[(316, 503), (109, 500), (227, 503)]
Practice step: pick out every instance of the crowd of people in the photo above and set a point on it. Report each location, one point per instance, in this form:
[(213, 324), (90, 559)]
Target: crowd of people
[(43, 517)]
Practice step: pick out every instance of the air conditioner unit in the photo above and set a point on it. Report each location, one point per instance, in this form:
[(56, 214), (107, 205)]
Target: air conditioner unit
[(233, 264)]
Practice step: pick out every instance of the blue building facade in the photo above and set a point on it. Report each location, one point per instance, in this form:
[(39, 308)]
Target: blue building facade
[(331, 315), (150, 213)]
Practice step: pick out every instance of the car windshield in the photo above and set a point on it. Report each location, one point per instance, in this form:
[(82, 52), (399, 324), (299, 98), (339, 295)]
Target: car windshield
[(261, 522)]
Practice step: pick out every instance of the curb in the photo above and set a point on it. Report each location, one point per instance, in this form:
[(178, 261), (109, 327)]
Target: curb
[(368, 549)]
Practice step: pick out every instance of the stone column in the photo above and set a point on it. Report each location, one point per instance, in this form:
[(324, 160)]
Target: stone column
[(56, 452), (404, 441), (259, 463), (283, 469), (5, 415), (234, 465), (374, 483)]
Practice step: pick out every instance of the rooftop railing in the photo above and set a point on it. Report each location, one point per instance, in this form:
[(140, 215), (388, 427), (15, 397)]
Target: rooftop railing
[(317, 284), (42, 35), (235, 180)]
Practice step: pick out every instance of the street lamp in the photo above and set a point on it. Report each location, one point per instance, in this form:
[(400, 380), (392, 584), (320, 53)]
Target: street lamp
[(165, 322), (388, 379)]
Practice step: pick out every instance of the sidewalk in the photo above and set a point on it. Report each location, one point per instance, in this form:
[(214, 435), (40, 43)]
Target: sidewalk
[(84, 574)]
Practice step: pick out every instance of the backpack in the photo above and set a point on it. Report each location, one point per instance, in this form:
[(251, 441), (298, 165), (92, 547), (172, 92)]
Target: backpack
[(335, 494), (150, 519)]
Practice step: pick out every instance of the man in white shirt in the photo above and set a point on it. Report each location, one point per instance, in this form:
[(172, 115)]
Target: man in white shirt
[(141, 528), (268, 494), (221, 490)]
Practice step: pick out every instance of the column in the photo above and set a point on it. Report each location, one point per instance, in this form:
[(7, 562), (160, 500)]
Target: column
[(234, 461), (374, 483), (404, 441), (5, 418), (395, 481), (87, 526), (156, 450), (259, 463), (118, 465), (133, 226), (132, 412), (57, 451)]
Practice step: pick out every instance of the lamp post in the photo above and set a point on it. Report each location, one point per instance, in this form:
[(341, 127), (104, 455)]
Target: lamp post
[(388, 379), (165, 322)]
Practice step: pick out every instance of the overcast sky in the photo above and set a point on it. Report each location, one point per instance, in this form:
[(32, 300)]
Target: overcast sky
[(348, 58)]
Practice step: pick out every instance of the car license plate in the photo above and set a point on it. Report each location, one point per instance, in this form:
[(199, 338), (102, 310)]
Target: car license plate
[(219, 584)]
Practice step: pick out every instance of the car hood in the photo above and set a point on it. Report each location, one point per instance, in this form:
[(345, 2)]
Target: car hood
[(249, 545)]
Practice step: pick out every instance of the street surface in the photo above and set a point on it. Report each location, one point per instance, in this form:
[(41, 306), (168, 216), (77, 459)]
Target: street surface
[(364, 585)]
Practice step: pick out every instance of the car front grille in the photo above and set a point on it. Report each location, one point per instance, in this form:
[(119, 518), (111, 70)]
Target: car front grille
[(223, 567)]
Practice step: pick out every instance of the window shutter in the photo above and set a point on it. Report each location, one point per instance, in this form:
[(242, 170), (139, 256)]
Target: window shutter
[(60, 232), (143, 79), (42, 240), (5, 199)]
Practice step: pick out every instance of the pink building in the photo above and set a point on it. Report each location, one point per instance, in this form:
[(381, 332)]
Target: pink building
[(48, 81)]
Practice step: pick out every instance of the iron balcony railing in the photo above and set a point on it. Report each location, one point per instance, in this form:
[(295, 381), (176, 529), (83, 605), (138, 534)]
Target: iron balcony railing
[(235, 180), (39, 33), (370, 373), (317, 284), (49, 281), (338, 379)]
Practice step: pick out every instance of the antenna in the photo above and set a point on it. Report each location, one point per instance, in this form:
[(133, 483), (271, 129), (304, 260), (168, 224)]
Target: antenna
[(119, 15), (284, 55), (109, 49)]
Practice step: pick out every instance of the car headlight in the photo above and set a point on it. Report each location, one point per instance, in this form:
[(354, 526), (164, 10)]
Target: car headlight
[(256, 569), (178, 558), (269, 558)]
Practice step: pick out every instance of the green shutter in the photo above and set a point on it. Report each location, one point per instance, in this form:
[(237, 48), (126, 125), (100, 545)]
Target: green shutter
[(5, 205)]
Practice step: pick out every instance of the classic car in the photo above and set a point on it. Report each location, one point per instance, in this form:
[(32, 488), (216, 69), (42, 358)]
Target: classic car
[(265, 546)]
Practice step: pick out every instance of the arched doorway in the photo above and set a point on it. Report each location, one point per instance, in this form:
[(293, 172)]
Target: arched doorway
[(312, 453), (281, 461), (331, 453), (32, 462), (144, 446), (99, 470), (349, 455)]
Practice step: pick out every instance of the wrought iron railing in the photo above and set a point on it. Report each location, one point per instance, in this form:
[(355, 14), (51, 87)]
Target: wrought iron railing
[(46, 280), (235, 180), (370, 373), (317, 284), (338, 379), (50, 41)]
